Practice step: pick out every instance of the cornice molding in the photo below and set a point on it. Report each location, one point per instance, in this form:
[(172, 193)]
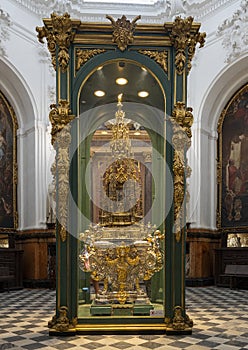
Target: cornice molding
[(156, 12), (233, 32)]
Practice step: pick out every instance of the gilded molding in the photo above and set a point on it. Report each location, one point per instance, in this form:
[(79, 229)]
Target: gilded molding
[(123, 31), (161, 57), (83, 55), (60, 118), (182, 120), (62, 323), (219, 172), (59, 33), (184, 39)]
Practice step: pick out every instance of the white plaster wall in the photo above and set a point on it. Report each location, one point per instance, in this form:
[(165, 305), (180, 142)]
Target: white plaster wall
[(25, 80), (212, 82), (28, 82)]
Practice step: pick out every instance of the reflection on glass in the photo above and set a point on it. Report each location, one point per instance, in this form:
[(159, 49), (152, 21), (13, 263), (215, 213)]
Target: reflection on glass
[(121, 253)]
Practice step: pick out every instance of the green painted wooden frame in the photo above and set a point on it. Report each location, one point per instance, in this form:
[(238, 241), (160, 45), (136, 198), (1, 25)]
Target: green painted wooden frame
[(167, 53)]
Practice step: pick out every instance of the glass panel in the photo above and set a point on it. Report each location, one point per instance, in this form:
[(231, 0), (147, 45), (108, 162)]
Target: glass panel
[(121, 245)]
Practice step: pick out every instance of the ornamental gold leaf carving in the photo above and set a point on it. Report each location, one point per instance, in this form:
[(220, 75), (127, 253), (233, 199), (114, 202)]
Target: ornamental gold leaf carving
[(184, 40), (61, 323), (60, 117), (59, 33), (123, 31), (84, 55), (159, 56), (182, 119), (180, 322)]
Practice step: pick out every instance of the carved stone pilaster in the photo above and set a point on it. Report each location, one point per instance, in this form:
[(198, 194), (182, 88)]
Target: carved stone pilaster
[(58, 32), (184, 39), (123, 31), (182, 120)]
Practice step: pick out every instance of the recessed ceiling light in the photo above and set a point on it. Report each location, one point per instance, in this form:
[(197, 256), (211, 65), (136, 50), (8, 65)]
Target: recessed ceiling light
[(121, 81), (143, 93), (99, 93)]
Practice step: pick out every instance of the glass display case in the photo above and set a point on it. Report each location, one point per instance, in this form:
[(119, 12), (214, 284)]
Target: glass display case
[(121, 129)]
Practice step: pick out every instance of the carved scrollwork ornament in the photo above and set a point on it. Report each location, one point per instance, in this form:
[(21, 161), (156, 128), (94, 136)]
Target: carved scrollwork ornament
[(62, 323), (182, 120), (161, 57), (83, 55), (184, 40), (60, 34), (123, 31), (179, 322), (60, 117)]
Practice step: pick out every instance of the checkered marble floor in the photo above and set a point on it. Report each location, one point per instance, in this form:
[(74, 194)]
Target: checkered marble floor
[(220, 318)]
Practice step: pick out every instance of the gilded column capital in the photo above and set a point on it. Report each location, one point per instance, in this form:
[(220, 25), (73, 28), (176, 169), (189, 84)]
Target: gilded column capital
[(123, 31), (184, 36), (59, 32), (59, 117)]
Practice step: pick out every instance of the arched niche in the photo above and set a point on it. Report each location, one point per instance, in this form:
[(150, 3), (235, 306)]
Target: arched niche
[(141, 255)]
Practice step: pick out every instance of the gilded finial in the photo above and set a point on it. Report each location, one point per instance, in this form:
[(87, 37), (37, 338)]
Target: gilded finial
[(120, 98)]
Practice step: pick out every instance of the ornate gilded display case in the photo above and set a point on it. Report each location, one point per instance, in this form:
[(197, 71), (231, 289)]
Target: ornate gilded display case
[(120, 172)]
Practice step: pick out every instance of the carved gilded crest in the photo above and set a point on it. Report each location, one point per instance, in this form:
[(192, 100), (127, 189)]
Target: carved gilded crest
[(123, 31)]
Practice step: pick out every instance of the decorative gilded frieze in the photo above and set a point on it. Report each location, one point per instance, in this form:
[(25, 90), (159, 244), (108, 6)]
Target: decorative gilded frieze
[(83, 55), (62, 323), (161, 57), (184, 39), (123, 31), (60, 118), (182, 120), (58, 33)]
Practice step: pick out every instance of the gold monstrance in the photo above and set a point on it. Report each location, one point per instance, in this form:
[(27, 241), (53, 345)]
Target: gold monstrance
[(121, 251)]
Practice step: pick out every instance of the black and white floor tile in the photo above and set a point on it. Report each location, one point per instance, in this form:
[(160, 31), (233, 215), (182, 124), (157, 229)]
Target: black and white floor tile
[(220, 318)]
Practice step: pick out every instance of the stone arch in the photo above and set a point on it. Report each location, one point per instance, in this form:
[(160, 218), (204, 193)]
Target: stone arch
[(223, 87), (18, 93)]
